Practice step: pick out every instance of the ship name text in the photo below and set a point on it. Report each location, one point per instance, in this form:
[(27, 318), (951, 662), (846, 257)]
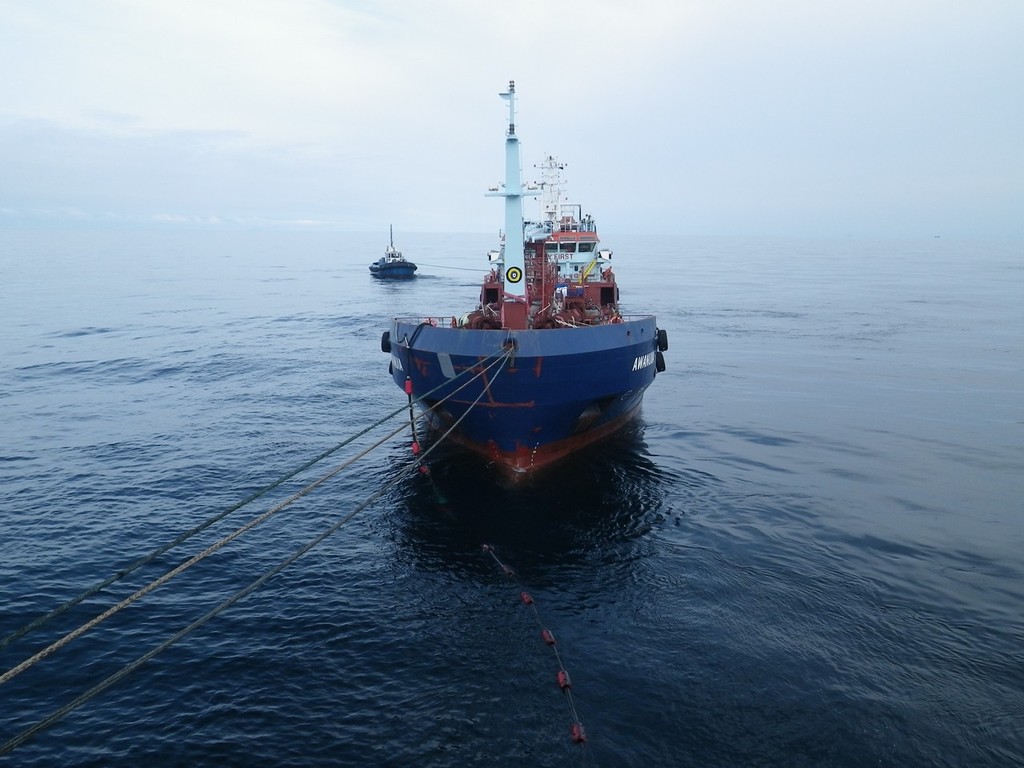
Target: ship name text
[(644, 361)]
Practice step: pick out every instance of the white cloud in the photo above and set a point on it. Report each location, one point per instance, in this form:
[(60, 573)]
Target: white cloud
[(717, 115)]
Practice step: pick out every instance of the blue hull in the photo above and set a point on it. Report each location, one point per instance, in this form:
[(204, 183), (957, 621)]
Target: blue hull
[(558, 391), (393, 271)]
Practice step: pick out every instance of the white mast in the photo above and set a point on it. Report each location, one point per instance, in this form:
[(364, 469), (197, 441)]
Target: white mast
[(513, 259), (515, 266)]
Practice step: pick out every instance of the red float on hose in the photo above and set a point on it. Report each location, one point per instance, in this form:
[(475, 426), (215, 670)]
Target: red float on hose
[(578, 735), (548, 637), (525, 597), (563, 680), (415, 448), (408, 385)]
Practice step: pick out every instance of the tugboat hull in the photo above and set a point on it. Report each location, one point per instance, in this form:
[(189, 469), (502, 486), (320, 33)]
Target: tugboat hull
[(393, 271)]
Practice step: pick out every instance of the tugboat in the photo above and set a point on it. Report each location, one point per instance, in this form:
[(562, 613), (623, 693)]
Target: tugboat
[(546, 363), (392, 265)]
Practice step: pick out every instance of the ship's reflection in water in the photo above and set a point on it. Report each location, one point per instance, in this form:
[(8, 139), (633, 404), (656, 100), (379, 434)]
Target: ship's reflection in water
[(606, 496)]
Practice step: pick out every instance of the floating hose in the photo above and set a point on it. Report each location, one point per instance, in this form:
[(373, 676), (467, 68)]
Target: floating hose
[(576, 731)]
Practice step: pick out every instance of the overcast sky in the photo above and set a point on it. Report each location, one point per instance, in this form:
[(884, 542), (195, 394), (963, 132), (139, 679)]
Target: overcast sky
[(868, 118)]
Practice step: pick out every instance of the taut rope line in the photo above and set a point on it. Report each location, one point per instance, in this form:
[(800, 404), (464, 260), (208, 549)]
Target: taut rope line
[(132, 666), (131, 567), (186, 535), (145, 590)]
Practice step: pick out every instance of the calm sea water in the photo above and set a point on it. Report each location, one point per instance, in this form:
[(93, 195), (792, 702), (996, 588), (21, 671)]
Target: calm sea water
[(809, 551)]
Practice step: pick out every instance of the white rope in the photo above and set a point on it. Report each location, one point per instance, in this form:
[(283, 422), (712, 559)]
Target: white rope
[(132, 666)]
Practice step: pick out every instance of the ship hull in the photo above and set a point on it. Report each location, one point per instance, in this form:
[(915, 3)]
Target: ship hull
[(393, 271), (558, 390)]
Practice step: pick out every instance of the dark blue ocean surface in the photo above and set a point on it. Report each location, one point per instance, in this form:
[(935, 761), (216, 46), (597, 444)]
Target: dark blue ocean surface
[(808, 551)]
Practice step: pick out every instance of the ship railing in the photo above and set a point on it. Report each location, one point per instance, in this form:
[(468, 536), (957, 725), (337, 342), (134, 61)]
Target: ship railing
[(452, 321), (438, 321)]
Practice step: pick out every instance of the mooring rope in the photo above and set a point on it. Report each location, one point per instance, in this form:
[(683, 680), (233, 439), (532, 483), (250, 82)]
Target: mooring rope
[(63, 711), (444, 266), (187, 535), (145, 590), (576, 731), (182, 538)]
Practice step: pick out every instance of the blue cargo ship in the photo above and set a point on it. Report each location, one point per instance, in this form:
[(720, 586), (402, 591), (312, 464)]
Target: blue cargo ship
[(546, 363)]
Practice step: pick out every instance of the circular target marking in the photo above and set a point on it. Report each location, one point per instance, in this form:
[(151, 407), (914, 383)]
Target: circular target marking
[(514, 274)]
